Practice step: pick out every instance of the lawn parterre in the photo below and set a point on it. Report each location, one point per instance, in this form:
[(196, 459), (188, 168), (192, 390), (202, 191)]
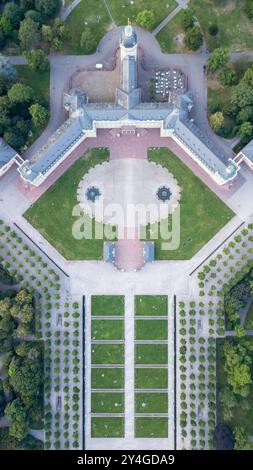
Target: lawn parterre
[(107, 378), (107, 353), (107, 329), (107, 427), (202, 213), (149, 402), (108, 305), (151, 427), (151, 329), (52, 213), (106, 402), (151, 378), (151, 354), (249, 318), (151, 305)]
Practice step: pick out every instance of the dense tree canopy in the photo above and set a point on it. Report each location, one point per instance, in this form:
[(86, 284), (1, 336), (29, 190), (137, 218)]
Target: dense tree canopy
[(146, 19)]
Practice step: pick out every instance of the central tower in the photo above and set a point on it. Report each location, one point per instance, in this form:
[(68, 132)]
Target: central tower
[(128, 42)]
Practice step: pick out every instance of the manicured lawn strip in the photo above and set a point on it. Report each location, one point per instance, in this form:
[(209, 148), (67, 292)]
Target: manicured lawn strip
[(98, 21), (151, 329), (107, 329), (151, 378), (107, 305), (52, 216), (151, 354), (151, 305), (107, 378), (107, 427), (121, 11), (106, 402), (202, 213), (249, 318), (151, 427), (107, 353), (241, 418), (151, 402)]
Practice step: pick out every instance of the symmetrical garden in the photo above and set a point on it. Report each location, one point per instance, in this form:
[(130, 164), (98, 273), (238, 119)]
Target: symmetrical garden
[(151, 366), (107, 366)]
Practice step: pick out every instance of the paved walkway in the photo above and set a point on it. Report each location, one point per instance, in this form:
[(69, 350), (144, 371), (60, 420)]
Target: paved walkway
[(181, 5), (66, 11)]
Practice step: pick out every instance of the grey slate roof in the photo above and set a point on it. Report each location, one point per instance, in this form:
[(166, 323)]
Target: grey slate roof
[(6, 153), (128, 107), (128, 37), (248, 150)]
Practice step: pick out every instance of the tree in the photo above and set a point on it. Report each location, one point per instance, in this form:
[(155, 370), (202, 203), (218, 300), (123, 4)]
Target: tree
[(146, 19), (26, 377), (47, 33), (213, 30), (241, 438), (34, 15), (216, 121), (248, 77), (193, 38), (37, 60), (16, 411), (88, 42), (249, 9), (218, 59), (14, 13), (18, 429), (47, 7), (223, 437), (20, 93), (39, 115), (246, 114), (29, 34), (188, 18), (246, 130), (242, 95), (228, 77)]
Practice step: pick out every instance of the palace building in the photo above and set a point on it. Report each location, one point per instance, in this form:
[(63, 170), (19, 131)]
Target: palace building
[(172, 118)]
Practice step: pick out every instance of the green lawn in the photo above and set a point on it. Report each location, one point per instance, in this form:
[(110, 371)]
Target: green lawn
[(107, 329), (151, 402), (121, 11), (151, 354), (235, 29), (107, 353), (249, 318), (107, 427), (155, 305), (171, 36), (107, 305), (151, 329), (40, 83), (107, 378), (242, 418), (202, 213), (52, 213), (151, 378), (106, 402), (97, 19), (151, 427)]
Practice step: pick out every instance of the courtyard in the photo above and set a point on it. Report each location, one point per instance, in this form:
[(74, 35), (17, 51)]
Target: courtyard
[(197, 201)]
